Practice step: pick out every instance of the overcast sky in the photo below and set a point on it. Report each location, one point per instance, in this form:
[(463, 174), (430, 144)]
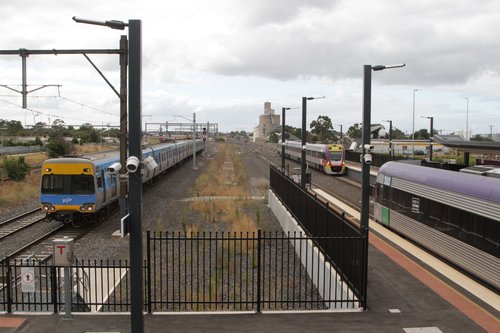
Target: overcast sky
[(224, 58)]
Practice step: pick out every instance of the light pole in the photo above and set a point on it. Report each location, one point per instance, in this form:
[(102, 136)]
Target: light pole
[(341, 135), (413, 127), (303, 150), (365, 170), (430, 136), (391, 154), (467, 119), (366, 157), (135, 178), (283, 137)]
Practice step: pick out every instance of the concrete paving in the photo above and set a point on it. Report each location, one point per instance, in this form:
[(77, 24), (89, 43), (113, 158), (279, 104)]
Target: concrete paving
[(397, 302)]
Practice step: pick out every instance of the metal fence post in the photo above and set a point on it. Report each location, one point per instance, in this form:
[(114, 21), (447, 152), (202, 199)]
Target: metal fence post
[(365, 266), (148, 250), (9, 286), (53, 283), (258, 269)]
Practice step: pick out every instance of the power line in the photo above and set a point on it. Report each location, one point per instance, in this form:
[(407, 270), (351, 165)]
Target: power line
[(88, 106), (44, 113)]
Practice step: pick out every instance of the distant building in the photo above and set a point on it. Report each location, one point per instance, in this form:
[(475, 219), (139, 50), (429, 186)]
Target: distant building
[(268, 122)]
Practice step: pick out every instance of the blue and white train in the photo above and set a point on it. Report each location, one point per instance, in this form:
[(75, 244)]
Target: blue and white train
[(453, 214), (83, 188)]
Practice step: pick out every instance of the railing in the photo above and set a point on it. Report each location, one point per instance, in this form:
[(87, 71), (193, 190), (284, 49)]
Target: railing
[(348, 254), (255, 272)]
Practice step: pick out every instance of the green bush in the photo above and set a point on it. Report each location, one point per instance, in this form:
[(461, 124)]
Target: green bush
[(16, 168)]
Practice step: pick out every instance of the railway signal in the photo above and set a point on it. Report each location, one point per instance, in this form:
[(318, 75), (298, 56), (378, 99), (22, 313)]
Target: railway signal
[(160, 133), (204, 134)]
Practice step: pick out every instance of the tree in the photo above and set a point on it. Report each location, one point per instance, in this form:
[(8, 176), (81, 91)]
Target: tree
[(16, 169), (87, 133), (58, 123), (478, 137), (355, 131), (322, 128), (397, 134), (58, 146)]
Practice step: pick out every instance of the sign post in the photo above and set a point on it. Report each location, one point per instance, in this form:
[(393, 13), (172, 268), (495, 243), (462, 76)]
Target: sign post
[(63, 255)]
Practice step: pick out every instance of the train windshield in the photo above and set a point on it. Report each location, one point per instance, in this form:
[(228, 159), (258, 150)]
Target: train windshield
[(335, 155), (67, 184)]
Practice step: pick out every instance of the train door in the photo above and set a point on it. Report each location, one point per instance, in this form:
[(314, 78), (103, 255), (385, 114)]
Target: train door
[(113, 185), (101, 187)]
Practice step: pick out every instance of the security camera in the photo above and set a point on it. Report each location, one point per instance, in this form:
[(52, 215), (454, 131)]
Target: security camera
[(115, 167), (367, 158), (150, 163), (132, 164), (368, 147), (304, 147)]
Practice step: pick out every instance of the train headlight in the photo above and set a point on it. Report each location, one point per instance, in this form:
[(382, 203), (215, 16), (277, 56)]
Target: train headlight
[(90, 208), (82, 208), (46, 208), (52, 208)]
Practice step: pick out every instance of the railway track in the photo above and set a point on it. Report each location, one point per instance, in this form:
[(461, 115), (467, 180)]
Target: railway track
[(41, 248), (20, 222)]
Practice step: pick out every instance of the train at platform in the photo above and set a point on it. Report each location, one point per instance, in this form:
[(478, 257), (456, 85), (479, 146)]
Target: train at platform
[(328, 158), (454, 215), (75, 189)]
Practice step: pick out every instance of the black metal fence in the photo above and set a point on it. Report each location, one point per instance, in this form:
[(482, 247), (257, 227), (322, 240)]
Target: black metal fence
[(193, 272), (348, 253)]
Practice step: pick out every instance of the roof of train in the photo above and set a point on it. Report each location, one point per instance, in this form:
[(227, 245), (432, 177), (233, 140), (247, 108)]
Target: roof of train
[(486, 188), (106, 158), (310, 146)]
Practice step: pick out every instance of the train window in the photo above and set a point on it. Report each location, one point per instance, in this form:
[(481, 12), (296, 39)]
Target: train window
[(82, 184), (67, 184), (99, 180), (52, 184), (336, 156), (401, 200)]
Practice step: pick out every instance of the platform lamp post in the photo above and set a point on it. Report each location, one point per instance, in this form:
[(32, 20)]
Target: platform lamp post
[(135, 178), (341, 134), (366, 160), (391, 154), (303, 147), (365, 170), (413, 127), (430, 135), (467, 119)]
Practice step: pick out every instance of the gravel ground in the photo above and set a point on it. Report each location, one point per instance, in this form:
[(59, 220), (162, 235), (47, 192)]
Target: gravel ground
[(165, 210)]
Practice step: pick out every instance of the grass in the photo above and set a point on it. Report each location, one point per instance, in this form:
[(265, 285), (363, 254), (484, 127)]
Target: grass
[(225, 176), (17, 193)]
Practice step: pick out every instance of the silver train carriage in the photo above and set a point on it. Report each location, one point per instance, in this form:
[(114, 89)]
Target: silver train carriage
[(84, 187), (454, 215)]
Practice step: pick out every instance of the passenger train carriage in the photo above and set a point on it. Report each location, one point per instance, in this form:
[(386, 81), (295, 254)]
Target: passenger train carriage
[(453, 214), (80, 188), (329, 158)]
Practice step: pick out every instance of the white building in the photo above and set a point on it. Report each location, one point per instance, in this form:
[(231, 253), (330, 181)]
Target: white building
[(268, 122)]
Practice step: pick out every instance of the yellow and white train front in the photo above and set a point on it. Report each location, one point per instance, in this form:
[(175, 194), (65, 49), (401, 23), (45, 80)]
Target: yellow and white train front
[(336, 161), (67, 189)]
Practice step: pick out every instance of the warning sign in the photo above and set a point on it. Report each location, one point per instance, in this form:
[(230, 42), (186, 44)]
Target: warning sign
[(28, 279)]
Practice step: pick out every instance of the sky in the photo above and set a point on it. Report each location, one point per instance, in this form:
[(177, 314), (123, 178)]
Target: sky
[(222, 59)]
